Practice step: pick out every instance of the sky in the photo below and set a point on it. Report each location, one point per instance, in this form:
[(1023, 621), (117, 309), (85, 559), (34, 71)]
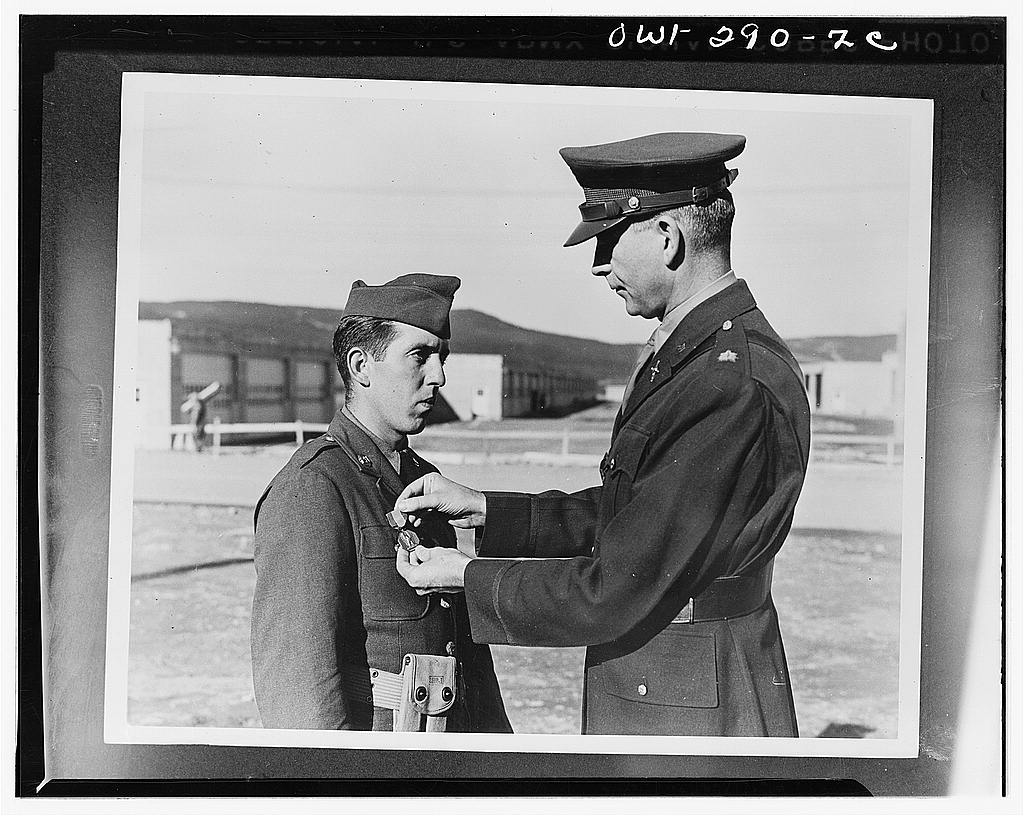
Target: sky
[(287, 190)]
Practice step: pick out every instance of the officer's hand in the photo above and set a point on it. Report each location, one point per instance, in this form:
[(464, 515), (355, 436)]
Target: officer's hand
[(464, 507), (438, 569)]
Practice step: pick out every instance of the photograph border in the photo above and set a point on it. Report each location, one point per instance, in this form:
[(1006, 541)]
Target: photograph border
[(135, 87)]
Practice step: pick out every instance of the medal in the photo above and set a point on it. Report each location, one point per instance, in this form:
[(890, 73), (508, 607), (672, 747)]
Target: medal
[(407, 540)]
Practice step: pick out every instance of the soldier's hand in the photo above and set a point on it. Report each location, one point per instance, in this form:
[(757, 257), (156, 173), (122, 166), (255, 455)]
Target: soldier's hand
[(463, 506), (437, 569)]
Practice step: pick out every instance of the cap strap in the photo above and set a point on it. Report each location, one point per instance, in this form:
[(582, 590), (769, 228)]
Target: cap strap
[(633, 205)]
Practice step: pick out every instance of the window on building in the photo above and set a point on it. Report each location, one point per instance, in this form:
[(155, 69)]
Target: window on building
[(265, 379), (199, 369), (310, 380)]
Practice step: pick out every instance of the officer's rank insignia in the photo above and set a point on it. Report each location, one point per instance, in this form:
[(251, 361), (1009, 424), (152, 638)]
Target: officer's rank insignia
[(728, 356)]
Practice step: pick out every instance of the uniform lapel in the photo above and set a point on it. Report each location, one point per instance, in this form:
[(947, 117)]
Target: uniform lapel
[(364, 452), (686, 341)]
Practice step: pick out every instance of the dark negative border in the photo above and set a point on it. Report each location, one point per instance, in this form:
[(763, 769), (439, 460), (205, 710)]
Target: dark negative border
[(294, 46)]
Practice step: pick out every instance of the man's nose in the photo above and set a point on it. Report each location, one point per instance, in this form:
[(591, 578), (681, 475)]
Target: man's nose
[(435, 372)]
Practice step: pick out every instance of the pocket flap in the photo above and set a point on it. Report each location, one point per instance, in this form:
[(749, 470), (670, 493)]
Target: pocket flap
[(377, 541), (673, 669), (628, 450)]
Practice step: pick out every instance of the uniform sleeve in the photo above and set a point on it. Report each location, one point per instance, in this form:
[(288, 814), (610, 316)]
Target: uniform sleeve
[(668, 538), (554, 524), (303, 565)]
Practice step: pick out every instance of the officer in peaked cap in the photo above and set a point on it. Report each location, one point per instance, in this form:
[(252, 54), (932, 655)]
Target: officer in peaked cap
[(332, 620), (663, 570), (639, 177)]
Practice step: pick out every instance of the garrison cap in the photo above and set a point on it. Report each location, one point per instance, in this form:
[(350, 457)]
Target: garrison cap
[(648, 174), (420, 300)]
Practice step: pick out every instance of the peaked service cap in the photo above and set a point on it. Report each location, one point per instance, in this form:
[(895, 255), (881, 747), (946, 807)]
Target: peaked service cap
[(419, 300), (648, 174)]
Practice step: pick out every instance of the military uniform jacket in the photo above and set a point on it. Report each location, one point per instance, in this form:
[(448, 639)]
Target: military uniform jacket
[(329, 604), (706, 462)]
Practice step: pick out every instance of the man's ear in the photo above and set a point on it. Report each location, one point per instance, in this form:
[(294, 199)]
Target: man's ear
[(673, 241), (358, 362)]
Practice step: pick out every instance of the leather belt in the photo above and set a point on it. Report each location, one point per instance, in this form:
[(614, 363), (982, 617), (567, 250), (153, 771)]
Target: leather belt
[(730, 597)]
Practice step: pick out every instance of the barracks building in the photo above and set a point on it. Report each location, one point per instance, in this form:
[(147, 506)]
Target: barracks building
[(852, 376), (274, 364)]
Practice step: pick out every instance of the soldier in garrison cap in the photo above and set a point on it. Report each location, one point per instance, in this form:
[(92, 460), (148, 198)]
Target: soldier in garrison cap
[(664, 570), (332, 620)]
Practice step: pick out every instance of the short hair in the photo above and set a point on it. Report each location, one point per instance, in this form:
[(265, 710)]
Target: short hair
[(710, 223), (372, 334)]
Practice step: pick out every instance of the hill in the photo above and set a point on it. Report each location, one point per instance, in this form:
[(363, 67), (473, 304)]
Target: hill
[(851, 348), (261, 326)]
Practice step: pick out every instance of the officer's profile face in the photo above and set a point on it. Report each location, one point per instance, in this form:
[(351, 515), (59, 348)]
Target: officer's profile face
[(630, 258), (402, 386)]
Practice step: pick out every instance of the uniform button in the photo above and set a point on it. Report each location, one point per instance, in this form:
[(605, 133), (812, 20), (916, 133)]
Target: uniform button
[(641, 690), (727, 325), (450, 648), (445, 603), (633, 202)]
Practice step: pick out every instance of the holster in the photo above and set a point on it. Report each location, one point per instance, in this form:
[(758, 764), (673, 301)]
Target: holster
[(421, 695), (428, 692)]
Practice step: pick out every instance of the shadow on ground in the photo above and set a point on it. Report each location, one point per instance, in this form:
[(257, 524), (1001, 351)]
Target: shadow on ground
[(846, 731)]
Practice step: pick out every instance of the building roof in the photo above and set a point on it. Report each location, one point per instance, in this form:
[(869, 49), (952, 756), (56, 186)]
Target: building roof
[(846, 348)]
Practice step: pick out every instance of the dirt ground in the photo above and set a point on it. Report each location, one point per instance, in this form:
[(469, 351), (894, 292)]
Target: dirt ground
[(837, 592)]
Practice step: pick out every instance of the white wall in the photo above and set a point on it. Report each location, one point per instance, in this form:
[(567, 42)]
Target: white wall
[(466, 375), (613, 392), (856, 389), (153, 384)]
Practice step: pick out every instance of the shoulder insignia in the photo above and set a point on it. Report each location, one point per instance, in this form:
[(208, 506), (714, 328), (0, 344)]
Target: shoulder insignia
[(728, 364), (311, 450)]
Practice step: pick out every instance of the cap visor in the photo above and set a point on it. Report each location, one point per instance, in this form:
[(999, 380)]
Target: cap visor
[(586, 230)]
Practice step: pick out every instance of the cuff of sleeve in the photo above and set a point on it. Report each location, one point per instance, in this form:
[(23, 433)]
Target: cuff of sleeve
[(482, 579), (506, 533)]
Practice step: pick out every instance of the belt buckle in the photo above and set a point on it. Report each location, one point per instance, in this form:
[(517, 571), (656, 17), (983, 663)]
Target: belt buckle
[(685, 614)]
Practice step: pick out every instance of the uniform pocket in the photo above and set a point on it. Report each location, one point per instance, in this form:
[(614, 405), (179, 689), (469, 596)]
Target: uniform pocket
[(673, 669), (622, 463), (384, 593)]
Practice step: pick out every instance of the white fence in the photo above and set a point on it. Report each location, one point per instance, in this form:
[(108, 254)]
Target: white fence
[(216, 430), (890, 443)]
